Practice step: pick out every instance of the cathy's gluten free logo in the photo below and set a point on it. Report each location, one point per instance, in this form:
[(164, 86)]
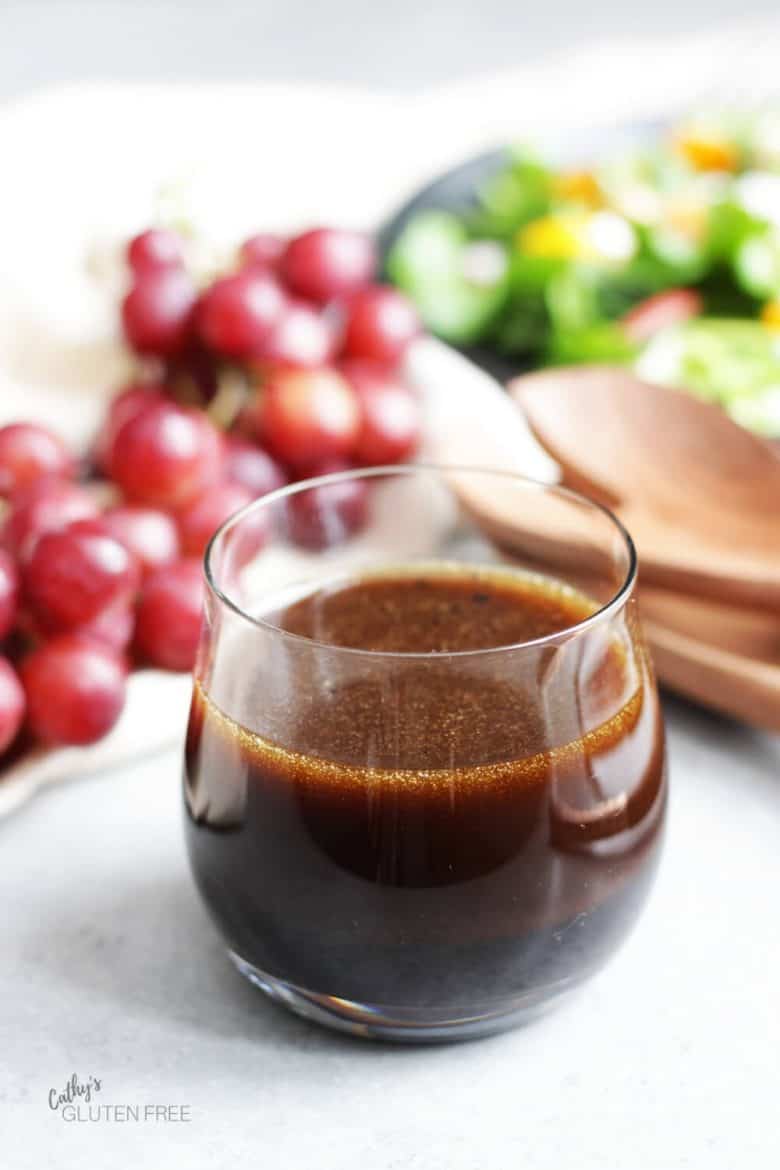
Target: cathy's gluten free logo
[(76, 1101), (74, 1092)]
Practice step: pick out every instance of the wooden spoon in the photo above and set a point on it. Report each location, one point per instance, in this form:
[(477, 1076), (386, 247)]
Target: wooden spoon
[(700, 495), (723, 657)]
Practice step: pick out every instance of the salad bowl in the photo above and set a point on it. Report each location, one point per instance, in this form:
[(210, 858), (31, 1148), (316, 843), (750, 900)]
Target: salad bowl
[(654, 246)]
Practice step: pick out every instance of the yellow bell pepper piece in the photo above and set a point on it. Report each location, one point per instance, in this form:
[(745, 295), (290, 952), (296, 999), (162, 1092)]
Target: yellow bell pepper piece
[(551, 237), (579, 187), (770, 315), (706, 152)]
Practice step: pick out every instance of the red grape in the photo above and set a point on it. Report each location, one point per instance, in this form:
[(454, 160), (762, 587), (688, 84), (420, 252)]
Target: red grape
[(200, 519), (113, 627), (9, 593), (166, 455), (328, 262), (238, 312), (251, 467), (245, 540), (157, 312), (12, 704), (328, 514), (309, 415), (381, 323), (195, 373), (124, 406), (261, 251), (29, 452), (151, 535), (301, 337), (75, 574), (324, 467), (390, 421), (75, 689), (154, 249), (45, 506), (169, 615)]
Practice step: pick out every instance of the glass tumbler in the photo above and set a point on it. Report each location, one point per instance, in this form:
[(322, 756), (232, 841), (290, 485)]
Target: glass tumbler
[(425, 771)]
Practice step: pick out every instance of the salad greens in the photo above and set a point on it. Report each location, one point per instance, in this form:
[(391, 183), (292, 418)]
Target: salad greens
[(667, 257)]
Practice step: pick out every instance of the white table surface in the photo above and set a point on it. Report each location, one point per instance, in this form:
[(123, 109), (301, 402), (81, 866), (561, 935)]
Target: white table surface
[(668, 1059)]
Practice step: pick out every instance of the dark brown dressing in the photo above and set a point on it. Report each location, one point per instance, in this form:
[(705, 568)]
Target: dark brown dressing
[(445, 830), (414, 613)]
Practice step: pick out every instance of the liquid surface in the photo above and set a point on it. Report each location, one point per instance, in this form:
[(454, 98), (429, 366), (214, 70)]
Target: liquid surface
[(441, 611), (433, 831)]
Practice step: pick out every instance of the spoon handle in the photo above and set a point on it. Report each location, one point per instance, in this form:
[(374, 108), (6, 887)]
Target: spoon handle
[(728, 682)]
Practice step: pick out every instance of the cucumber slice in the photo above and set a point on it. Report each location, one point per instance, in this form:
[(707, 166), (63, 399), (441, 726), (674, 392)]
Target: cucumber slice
[(432, 261)]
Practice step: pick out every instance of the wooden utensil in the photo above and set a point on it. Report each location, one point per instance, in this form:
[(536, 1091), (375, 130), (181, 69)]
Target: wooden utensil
[(723, 657), (700, 495)]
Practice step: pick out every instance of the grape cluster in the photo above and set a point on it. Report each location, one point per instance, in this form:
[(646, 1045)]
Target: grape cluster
[(283, 368)]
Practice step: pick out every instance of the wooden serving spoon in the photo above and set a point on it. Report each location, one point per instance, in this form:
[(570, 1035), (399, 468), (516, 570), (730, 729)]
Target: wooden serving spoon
[(725, 658), (700, 495)]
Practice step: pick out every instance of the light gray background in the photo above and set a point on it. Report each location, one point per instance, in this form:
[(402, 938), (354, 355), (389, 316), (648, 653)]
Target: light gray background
[(398, 44), (107, 963)]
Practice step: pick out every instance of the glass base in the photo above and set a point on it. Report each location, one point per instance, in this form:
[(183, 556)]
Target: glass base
[(411, 1025)]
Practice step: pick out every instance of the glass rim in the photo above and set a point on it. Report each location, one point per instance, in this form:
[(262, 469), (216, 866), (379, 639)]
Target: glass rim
[(606, 611)]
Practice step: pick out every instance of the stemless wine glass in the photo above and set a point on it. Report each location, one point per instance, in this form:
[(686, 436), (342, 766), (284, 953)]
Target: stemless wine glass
[(404, 825)]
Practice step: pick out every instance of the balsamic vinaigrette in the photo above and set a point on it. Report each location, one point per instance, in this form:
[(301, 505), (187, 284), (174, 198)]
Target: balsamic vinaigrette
[(434, 832)]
